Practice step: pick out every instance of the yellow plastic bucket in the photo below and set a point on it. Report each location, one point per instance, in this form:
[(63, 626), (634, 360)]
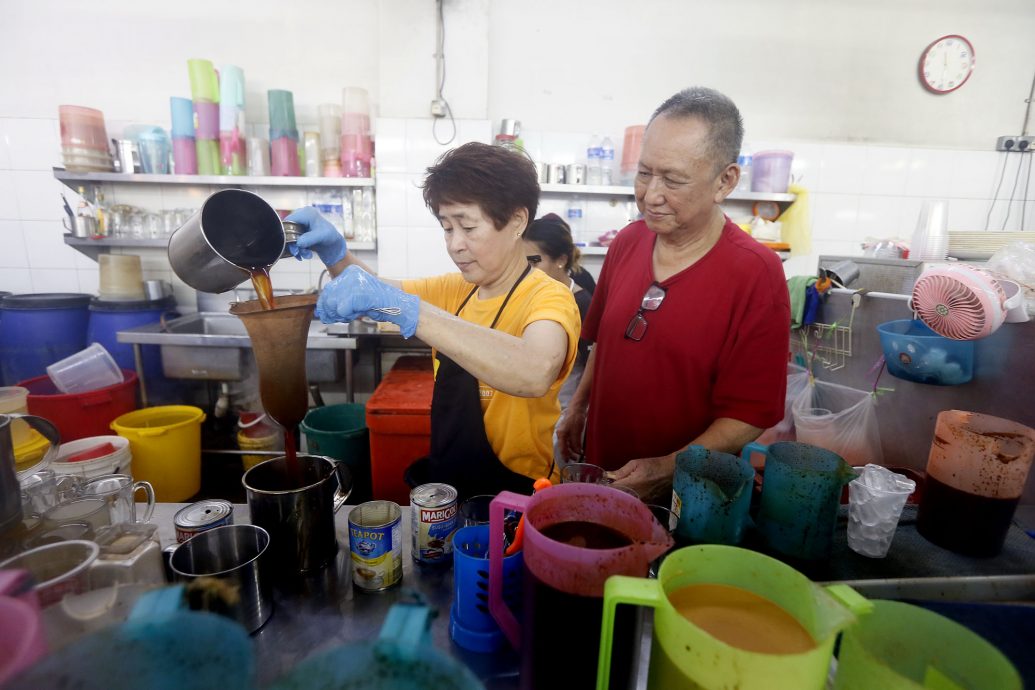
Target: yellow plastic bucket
[(166, 447), (260, 443)]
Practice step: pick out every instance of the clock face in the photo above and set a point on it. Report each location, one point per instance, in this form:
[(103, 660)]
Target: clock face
[(946, 64)]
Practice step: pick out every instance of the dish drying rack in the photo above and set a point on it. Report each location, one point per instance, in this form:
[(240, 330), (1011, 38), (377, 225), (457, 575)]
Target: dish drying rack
[(828, 344)]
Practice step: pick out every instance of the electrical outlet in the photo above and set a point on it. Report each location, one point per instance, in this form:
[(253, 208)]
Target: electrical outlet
[(1006, 143), (1025, 144), (438, 108)]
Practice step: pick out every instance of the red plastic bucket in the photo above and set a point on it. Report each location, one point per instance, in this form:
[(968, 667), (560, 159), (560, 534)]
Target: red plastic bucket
[(79, 415)]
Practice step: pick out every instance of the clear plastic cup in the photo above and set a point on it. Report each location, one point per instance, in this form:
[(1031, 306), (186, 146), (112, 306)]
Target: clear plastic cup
[(583, 473), (86, 370), (875, 502)]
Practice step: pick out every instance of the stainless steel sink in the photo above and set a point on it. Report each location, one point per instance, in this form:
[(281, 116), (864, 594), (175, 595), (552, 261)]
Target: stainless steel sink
[(215, 346)]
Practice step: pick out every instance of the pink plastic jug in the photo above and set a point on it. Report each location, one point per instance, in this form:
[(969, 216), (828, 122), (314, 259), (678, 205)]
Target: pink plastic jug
[(575, 537)]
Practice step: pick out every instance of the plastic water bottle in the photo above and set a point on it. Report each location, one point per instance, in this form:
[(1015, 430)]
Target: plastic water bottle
[(593, 161), (574, 215), (744, 161), (607, 161)]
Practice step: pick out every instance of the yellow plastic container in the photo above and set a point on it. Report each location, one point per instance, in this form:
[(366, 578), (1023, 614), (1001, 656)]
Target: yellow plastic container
[(31, 451), (166, 446), (260, 443)]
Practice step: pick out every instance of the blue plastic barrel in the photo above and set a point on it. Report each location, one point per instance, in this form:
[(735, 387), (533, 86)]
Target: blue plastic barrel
[(38, 330), (108, 317)]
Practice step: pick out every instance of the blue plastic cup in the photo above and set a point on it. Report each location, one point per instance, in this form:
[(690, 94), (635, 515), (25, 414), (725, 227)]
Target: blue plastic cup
[(470, 624)]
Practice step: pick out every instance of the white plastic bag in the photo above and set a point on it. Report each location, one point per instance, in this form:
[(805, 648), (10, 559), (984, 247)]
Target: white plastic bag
[(1016, 261), (797, 381), (840, 419)]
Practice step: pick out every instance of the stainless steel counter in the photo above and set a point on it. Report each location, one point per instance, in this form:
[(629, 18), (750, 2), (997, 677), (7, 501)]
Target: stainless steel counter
[(325, 610), (322, 611)]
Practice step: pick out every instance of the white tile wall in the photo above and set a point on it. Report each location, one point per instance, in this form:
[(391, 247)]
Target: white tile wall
[(857, 191)]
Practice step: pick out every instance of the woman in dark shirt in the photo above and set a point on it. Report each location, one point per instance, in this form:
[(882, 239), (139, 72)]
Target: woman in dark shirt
[(549, 239)]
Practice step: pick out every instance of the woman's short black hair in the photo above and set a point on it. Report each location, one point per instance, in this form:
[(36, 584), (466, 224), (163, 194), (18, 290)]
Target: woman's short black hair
[(499, 180)]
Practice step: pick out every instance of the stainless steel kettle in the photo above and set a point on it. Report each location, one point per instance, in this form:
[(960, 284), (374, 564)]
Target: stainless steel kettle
[(10, 493)]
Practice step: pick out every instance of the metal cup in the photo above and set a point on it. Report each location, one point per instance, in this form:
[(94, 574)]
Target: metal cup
[(556, 173), (575, 174), (297, 506), (223, 568), (232, 233)]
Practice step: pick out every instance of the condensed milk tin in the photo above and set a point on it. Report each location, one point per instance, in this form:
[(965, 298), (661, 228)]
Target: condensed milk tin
[(433, 522), (201, 517), (375, 542)]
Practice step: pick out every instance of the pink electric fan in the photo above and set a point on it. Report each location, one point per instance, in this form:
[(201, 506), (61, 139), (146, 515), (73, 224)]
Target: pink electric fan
[(959, 302)]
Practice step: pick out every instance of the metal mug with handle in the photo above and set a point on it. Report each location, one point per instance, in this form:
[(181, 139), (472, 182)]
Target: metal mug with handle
[(296, 505), (232, 233)]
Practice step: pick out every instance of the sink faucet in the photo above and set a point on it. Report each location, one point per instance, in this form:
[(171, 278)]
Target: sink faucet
[(319, 282)]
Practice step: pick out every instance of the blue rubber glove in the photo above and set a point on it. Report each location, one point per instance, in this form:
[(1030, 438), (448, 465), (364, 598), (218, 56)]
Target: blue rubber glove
[(319, 236), (356, 293)]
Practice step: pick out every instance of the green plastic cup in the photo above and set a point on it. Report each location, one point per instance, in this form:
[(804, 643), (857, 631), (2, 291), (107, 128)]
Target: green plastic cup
[(208, 156), (204, 85)]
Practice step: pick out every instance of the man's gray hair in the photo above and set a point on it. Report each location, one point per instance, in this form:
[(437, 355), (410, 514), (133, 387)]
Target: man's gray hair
[(718, 111)]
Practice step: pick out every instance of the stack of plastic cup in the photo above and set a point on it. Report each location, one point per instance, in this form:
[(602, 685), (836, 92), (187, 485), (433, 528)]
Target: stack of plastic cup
[(311, 148), (258, 157), (631, 152), (876, 499), (356, 145), (283, 134), (84, 139), (330, 139), (185, 156), (204, 89), (233, 153)]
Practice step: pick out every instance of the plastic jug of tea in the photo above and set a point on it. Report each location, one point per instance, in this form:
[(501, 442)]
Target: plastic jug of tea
[(575, 537), (401, 658), (903, 647), (711, 494), (750, 655), (801, 489), (976, 472), (148, 651)]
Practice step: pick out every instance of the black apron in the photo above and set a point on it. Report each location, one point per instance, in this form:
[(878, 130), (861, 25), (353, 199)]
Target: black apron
[(461, 454)]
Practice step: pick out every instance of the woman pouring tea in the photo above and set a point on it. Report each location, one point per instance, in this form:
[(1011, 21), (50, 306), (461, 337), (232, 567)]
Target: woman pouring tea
[(505, 335)]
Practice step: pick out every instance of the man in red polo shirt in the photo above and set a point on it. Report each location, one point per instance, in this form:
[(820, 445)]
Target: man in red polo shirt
[(691, 316)]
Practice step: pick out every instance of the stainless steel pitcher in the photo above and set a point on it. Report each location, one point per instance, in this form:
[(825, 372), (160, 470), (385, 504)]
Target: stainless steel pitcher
[(232, 233), (10, 493)]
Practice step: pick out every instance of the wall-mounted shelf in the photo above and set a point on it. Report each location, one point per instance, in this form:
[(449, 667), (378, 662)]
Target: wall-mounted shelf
[(618, 190), (72, 178), (94, 248)]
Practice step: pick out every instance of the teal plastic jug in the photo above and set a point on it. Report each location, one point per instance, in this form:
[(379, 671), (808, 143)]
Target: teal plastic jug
[(711, 494), (801, 489), (161, 647), (401, 658)]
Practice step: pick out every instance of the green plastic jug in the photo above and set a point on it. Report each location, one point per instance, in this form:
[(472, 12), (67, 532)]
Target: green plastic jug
[(685, 656), (903, 647)]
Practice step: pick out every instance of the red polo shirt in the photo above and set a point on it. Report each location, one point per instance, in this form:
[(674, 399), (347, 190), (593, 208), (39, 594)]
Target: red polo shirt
[(716, 347)]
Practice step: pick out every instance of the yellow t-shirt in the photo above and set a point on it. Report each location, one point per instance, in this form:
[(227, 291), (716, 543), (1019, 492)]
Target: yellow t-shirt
[(520, 430)]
